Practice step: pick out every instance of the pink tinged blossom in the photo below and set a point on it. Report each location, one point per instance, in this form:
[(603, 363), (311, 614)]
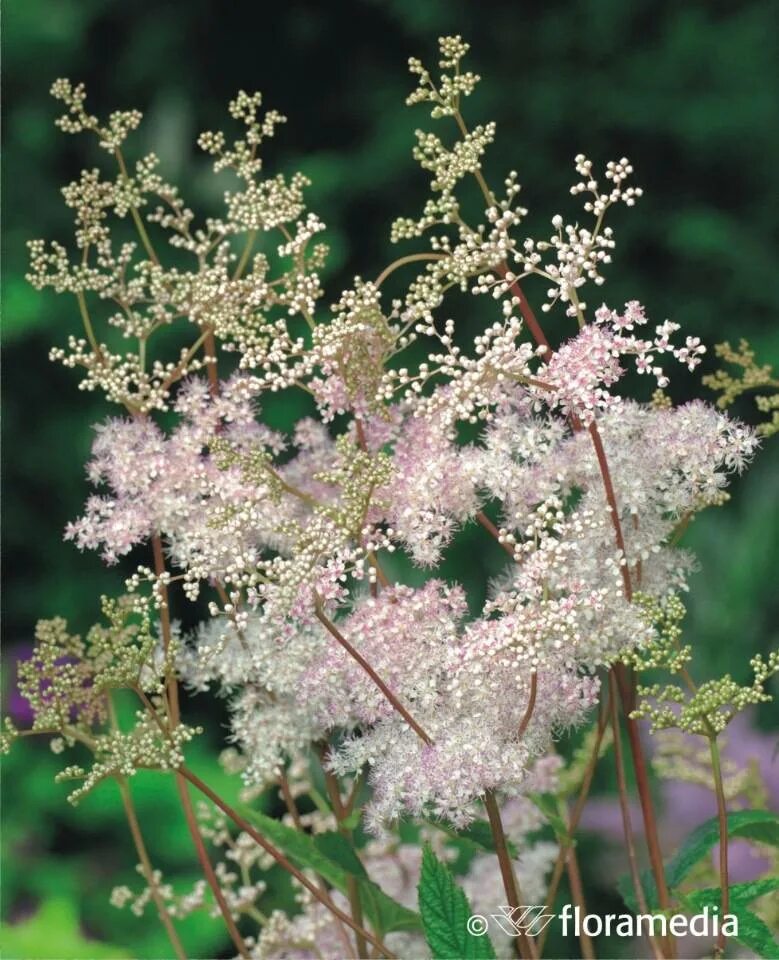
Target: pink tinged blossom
[(582, 371)]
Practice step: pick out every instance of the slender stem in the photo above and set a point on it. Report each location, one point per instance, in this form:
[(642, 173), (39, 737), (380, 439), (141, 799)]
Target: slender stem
[(722, 813), (88, 328), (611, 499), (289, 802), (356, 655), (531, 705), (645, 798), (489, 197), (381, 577), (208, 870), (722, 807), (247, 250), (186, 802), (573, 823), (209, 351), (627, 827), (167, 637), (352, 890), (626, 685), (279, 857), (525, 943), (151, 710), (493, 531), (290, 488), (402, 261), (352, 798), (137, 219), (359, 429), (527, 312), (148, 870), (178, 371), (577, 893)]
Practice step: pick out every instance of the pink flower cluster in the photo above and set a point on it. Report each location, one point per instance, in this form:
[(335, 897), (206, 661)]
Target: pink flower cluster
[(582, 371)]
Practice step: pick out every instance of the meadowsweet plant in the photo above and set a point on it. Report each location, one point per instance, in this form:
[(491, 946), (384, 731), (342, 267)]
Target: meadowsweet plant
[(412, 734)]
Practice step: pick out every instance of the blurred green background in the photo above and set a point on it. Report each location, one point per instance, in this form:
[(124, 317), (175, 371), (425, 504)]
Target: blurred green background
[(687, 90)]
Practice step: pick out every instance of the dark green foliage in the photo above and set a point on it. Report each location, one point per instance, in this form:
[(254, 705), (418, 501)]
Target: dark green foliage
[(445, 912)]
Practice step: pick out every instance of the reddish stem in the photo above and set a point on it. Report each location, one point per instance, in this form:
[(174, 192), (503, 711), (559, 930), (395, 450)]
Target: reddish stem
[(493, 531), (577, 893), (531, 705), (209, 352), (611, 500), (358, 657), (167, 639), (279, 857), (626, 685), (573, 822), (208, 870), (525, 943), (148, 870), (186, 802), (527, 312), (627, 827)]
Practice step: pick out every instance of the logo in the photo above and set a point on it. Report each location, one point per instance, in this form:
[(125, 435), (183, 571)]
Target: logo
[(534, 919), (530, 920)]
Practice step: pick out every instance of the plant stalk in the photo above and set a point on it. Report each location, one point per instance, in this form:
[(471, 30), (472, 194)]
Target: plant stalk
[(279, 857), (722, 814), (527, 948), (627, 827), (356, 655), (148, 870)]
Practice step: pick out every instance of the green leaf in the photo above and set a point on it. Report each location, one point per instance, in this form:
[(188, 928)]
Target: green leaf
[(477, 836), (752, 931), (340, 851), (353, 820), (760, 826), (741, 894), (445, 911), (335, 866)]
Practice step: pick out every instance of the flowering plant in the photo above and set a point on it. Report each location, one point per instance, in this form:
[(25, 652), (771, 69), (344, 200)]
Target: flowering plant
[(412, 731)]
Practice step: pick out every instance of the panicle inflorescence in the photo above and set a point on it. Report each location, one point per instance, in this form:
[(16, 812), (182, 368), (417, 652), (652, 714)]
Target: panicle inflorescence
[(416, 432), (750, 375), (708, 709)]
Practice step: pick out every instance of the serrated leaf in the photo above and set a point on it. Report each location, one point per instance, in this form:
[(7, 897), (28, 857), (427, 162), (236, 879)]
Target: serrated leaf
[(741, 894), (385, 914), (445, 912), (760, 826), (752, 931)]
